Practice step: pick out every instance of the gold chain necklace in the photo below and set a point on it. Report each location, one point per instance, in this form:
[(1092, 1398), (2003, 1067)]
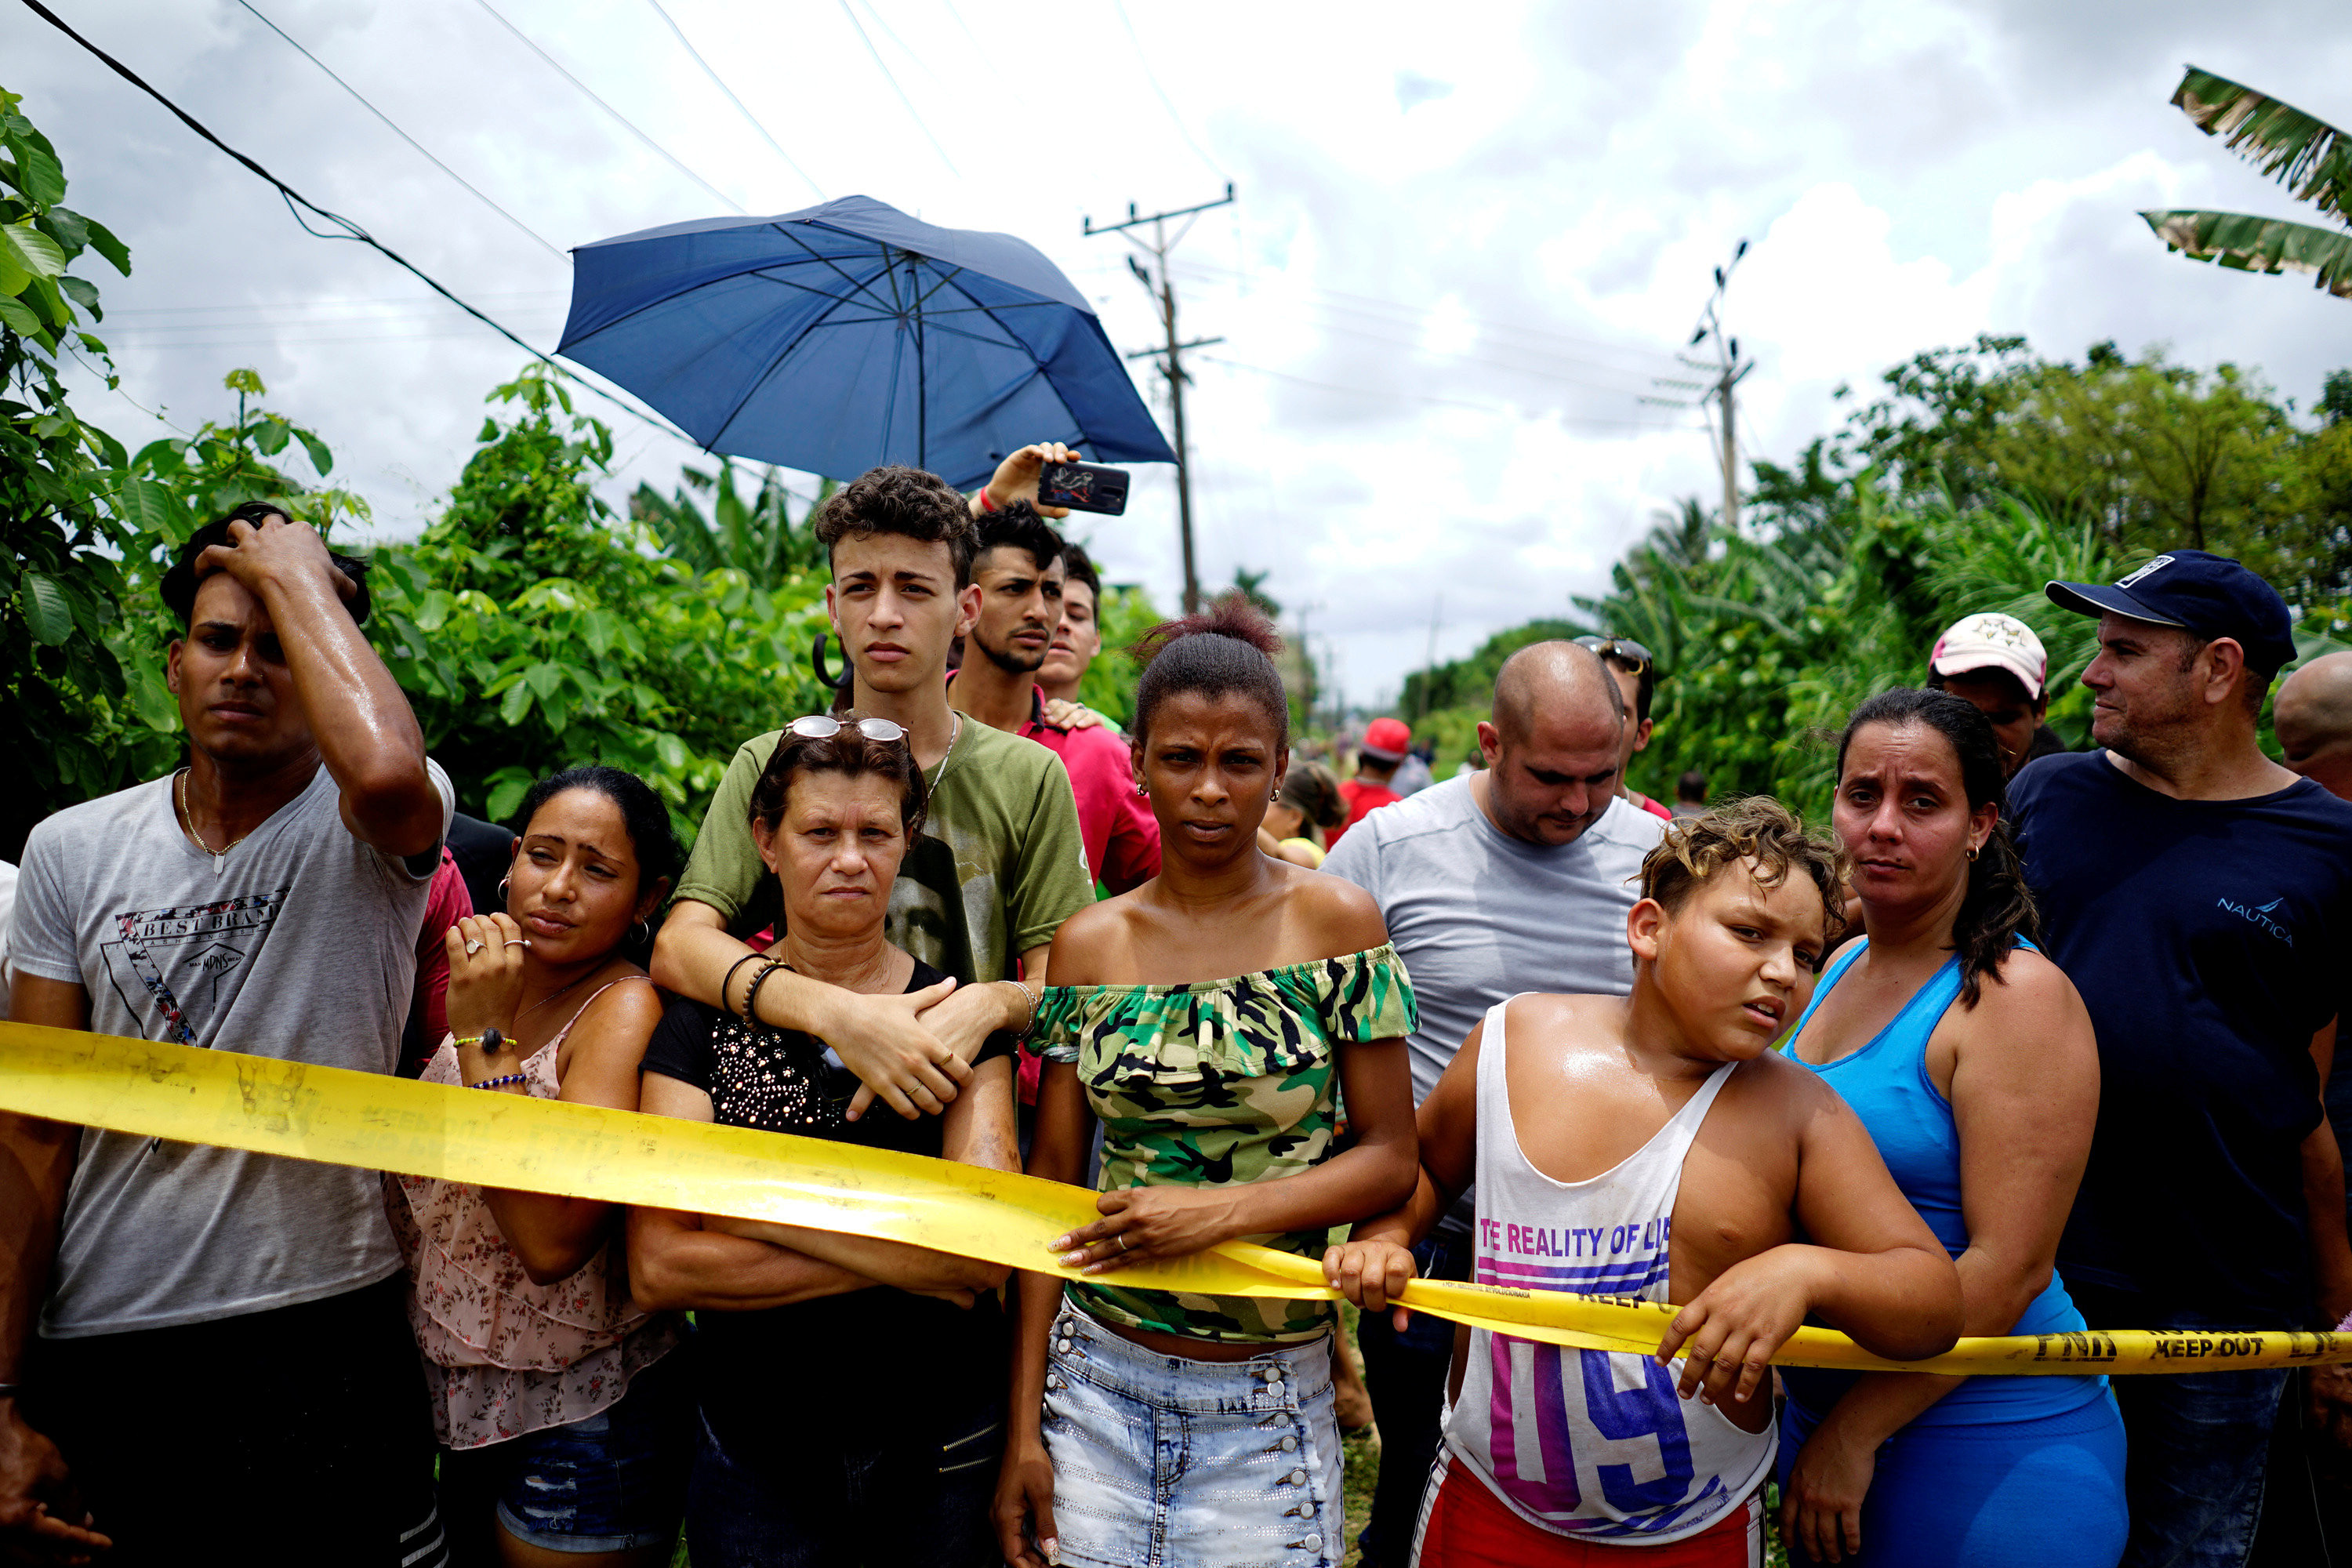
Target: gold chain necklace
[(188, 825)]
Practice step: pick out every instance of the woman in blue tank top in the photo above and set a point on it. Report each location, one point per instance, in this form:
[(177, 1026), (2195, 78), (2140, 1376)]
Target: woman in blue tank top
[(1971, 1060)]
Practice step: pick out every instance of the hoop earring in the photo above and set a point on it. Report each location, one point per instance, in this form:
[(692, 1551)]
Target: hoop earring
[(1972, 852), (1141, 788), (503, 895), (1275, 795), (642, 932)]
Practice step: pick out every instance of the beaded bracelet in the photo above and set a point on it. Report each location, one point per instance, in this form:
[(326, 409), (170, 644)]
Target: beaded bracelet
[(502, 1082), (490, 1040), (724, 985), (752, 996)]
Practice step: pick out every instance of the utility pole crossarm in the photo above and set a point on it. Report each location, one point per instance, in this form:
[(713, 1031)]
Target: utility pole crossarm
[(1090, 229), (1173, 348)]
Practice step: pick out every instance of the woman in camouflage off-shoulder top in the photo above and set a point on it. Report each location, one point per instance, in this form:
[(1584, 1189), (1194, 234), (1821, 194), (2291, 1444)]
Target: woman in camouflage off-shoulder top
[(1215, 1022)]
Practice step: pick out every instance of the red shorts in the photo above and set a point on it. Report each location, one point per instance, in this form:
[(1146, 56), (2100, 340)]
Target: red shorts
[(1464, 1525)]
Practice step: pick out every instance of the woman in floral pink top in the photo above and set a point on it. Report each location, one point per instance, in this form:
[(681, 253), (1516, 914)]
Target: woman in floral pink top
[(560, 1411)]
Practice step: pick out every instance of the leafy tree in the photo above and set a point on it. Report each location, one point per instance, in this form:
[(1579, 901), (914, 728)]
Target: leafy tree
[(535, 629), (758, 537), (62, 689), (2154, 454), (1125, 614)]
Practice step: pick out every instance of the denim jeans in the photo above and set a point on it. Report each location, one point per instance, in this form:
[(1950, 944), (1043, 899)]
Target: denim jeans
[(2198, 1444), (613, 1481), (813, 1503), (1406, 1376), (1162, 1461)]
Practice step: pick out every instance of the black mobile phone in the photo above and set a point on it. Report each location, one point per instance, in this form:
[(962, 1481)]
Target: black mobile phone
[(1083, 487)]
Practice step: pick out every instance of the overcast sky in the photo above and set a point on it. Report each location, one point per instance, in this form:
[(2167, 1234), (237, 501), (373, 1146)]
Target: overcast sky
[(1467, 239)]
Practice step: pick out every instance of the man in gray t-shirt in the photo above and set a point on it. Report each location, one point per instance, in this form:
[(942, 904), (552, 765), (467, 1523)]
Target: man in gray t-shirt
[(216, 1327), (1516, 878)]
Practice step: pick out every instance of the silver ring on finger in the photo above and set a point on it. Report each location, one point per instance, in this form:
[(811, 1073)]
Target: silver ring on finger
[(1122, 1241), (473, 946)]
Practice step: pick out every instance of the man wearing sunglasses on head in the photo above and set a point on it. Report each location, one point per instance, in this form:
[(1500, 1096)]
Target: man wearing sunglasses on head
[(1637, 682), (998, 866)]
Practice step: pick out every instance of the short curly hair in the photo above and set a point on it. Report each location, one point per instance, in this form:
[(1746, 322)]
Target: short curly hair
[(894, 499), (1757, 830), (1019, 527)]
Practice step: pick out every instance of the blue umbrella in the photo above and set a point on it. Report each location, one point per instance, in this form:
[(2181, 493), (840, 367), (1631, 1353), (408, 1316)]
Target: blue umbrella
[(849, 334)]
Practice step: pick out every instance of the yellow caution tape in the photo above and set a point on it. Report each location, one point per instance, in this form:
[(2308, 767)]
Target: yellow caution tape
[(152, 1088)]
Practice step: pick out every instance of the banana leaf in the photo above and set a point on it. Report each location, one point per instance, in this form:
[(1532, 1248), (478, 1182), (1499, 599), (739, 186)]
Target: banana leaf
[(2305, 154), (2254, 244)]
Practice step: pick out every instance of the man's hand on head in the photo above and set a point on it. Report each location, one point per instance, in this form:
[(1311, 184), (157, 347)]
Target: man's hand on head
[(1016, 478), (288, 551)]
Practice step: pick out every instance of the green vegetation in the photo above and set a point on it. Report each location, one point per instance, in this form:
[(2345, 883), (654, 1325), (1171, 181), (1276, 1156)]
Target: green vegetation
[(1980, 473)]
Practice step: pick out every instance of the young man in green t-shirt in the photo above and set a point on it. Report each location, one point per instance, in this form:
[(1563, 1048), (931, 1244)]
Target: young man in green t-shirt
[(999, 866)]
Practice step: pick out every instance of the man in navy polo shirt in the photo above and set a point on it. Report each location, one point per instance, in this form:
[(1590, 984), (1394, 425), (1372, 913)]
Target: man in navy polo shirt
[(2199, 896)]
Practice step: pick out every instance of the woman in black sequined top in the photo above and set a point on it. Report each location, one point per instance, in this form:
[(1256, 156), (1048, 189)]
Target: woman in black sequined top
[(851, 1389)]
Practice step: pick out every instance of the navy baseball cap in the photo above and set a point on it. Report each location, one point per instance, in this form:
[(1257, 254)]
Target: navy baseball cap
[(2205, 595)]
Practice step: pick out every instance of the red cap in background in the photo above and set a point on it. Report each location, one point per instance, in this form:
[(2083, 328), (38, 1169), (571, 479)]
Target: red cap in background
[(1386, 740)]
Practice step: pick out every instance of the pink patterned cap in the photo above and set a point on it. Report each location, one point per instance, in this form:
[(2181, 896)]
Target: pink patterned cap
[(1990, 641)]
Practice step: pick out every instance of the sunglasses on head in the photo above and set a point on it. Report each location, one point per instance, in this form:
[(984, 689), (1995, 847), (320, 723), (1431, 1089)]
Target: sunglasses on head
[(1622, 650), (825, 727)]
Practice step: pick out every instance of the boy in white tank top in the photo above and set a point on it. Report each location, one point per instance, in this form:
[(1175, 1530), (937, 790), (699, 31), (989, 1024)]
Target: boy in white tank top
[(1655, 1146)]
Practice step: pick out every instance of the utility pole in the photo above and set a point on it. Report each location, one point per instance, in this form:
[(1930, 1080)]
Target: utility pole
[(1728, 370), (1163, 297)]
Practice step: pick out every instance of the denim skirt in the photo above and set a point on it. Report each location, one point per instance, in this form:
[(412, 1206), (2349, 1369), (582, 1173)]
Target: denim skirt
[(1165, 1460)]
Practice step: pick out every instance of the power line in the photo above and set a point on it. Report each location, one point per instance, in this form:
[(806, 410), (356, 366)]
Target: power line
[(1426, 397), (1525, 358), (546, 244), (1536, 370), (626, 123), (280, 341), (912, 112), (350, 230), (515, 297), (1373, 305), (1144, 58), (718, 82)]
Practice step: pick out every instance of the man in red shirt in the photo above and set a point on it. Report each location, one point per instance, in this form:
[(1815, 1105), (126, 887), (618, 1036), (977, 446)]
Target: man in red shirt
[(1018, 569), (1385, 742)]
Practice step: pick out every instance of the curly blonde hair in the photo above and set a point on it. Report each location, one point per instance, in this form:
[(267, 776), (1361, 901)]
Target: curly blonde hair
[(1758, 832)]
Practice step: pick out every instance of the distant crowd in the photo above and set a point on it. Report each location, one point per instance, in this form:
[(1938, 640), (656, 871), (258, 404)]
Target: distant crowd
[(2023, 1040)]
